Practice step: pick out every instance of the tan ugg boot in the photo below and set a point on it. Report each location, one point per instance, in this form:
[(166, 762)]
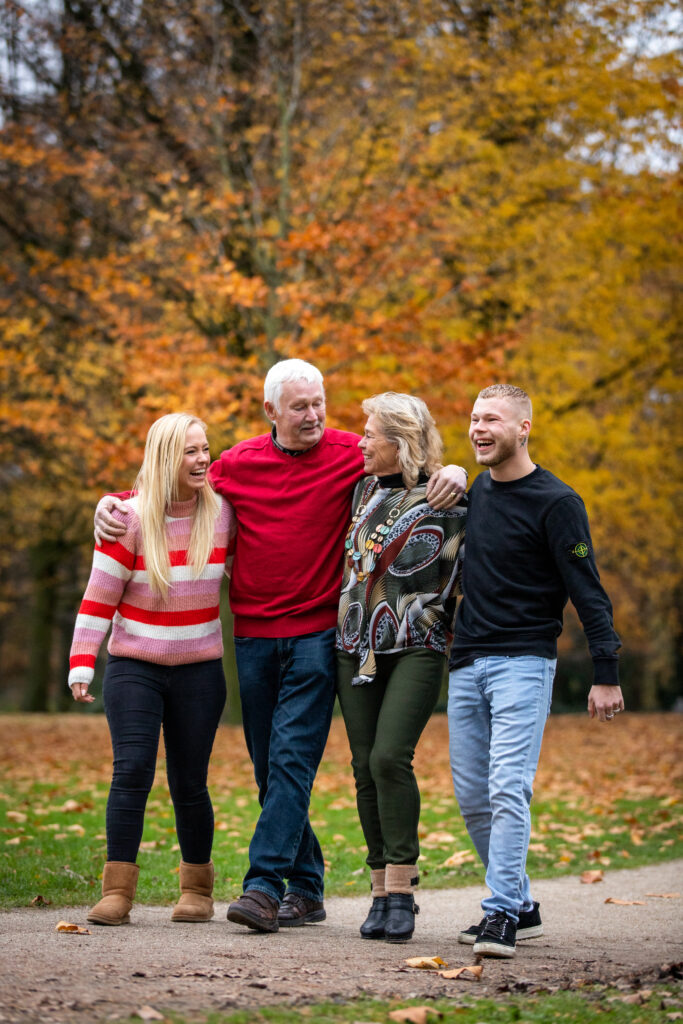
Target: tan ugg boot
[(196, 887), (119, 882)]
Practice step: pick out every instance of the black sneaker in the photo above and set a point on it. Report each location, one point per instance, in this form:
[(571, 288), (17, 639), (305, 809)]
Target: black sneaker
[(529, 926), (496, 936)]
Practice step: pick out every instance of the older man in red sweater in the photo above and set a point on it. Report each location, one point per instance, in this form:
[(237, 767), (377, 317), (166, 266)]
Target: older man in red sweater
[(291, 491)]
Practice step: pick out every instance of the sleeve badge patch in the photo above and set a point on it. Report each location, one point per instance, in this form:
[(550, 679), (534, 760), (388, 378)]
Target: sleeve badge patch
[(580, 550)]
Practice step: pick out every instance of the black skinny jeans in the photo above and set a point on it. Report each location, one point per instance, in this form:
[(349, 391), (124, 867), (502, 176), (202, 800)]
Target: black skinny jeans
[(187, 701)]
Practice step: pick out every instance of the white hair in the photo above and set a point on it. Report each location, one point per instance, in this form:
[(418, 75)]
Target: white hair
[(286, 370)]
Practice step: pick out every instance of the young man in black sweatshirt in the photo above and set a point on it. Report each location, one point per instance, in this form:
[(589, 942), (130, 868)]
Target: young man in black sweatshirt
[(527, 550)]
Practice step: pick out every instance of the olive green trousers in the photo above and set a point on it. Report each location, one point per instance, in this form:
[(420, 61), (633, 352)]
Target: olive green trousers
[(384, 720)]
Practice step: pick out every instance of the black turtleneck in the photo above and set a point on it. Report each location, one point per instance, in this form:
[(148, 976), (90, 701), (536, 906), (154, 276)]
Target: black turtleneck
[(396, 480)]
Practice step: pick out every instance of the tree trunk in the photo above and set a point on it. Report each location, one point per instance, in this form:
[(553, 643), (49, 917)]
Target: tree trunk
[(44, 560)]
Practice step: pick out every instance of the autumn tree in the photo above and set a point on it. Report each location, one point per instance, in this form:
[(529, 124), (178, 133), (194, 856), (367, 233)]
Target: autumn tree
[(415, 196)]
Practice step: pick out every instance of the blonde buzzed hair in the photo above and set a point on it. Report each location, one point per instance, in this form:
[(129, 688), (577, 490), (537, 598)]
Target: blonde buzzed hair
[(407, 422), (515, 394)]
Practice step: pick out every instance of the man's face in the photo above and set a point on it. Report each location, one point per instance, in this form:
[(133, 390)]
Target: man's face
[(301, 420), (497, 427)]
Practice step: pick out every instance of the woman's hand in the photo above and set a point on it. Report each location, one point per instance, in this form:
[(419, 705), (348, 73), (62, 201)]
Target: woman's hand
[(79, 692), (106, 527), (446, 487)]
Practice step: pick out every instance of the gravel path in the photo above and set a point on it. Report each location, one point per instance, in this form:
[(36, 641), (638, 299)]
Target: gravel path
[(113, 972)]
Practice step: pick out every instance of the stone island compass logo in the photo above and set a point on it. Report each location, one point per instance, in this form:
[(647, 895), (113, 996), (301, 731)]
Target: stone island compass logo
[(580, 550)]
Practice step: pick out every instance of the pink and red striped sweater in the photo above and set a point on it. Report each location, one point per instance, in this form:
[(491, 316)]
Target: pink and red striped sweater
[(183, 629)]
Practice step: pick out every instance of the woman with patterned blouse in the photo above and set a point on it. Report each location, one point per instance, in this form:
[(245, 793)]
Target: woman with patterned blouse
[(393, 636)]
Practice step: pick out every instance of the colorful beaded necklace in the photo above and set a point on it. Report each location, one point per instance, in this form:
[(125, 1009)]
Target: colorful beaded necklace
[(364, 559)]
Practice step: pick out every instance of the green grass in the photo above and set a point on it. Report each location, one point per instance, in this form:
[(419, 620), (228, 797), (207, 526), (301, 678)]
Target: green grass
[(52, 841), (593, 1004)]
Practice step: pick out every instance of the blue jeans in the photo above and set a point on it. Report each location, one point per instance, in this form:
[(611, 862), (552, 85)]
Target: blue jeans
[(287, 688), (497, 710), (187, 701)]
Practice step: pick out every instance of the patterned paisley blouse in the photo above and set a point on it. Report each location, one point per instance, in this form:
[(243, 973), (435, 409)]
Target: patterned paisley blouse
[(401, 573)]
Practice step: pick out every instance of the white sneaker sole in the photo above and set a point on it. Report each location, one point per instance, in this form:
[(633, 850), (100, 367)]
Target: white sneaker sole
[(494, 949)]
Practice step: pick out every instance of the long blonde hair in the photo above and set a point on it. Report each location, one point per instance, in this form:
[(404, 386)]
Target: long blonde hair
[(406, 421), (157, 487)]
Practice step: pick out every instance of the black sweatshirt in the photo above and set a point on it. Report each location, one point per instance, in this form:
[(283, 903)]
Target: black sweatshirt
[(527, 550)]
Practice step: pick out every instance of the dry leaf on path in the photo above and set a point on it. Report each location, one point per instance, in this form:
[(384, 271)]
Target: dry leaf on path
[(428, 963), (466, 973), (40, 901), (626, 903), (636, 998), (71, 805), (415, 1014), (439, 837), (148, 1013), (590, 877), (73, 929), (664, 895), (458, 858)]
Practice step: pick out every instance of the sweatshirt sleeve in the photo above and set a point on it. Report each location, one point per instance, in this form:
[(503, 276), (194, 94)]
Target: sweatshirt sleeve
[(220, 472), (112, 567), (572, 548)]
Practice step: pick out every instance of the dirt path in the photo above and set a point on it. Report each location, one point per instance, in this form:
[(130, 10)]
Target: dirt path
[(47, 976)]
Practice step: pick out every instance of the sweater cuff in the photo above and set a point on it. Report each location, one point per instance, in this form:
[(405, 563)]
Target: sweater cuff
[(605, 672), (81, 674)]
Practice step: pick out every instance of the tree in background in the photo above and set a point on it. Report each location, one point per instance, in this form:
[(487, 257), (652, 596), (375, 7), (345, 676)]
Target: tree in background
[(419, 196)]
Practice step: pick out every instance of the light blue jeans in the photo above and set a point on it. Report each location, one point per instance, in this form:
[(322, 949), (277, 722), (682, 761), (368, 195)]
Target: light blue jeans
[(497, 710)]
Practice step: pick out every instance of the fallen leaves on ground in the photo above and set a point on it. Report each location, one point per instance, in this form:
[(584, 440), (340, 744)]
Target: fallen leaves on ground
[(40, 901), (640, 761), (415, 1014), (625, 903), (426, 963), (591, 877), (74, 929), (148, 1013), (469, 973), (458, 858)]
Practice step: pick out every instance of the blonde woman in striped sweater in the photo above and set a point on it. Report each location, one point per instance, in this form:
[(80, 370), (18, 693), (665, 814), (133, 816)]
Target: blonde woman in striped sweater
[(158, 585)]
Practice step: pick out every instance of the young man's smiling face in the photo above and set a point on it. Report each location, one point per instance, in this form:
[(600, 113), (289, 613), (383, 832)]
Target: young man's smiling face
[(300, 420), (498, 431)]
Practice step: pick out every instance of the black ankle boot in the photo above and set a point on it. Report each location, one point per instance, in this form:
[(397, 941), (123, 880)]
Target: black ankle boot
[(373, 925), (400, 920)]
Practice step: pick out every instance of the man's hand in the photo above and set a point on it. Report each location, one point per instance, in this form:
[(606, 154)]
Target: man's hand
[(79, 692), (446, 487), (604, 702), (106, 527)]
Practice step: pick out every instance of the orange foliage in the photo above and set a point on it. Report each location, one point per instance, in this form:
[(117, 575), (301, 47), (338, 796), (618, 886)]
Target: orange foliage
[(411, 200)]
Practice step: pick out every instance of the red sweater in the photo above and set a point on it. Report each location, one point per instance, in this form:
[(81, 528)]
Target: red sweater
[(292, 515)]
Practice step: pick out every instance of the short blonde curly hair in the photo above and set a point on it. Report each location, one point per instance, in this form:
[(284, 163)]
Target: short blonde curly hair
[(509, 391), (407, 422)]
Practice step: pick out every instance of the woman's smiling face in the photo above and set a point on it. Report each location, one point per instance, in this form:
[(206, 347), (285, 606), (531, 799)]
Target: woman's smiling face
[(380, 456)]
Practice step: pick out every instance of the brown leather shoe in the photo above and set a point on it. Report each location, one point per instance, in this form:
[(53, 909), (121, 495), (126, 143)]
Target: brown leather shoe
[(256, 909), (296, 910)]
